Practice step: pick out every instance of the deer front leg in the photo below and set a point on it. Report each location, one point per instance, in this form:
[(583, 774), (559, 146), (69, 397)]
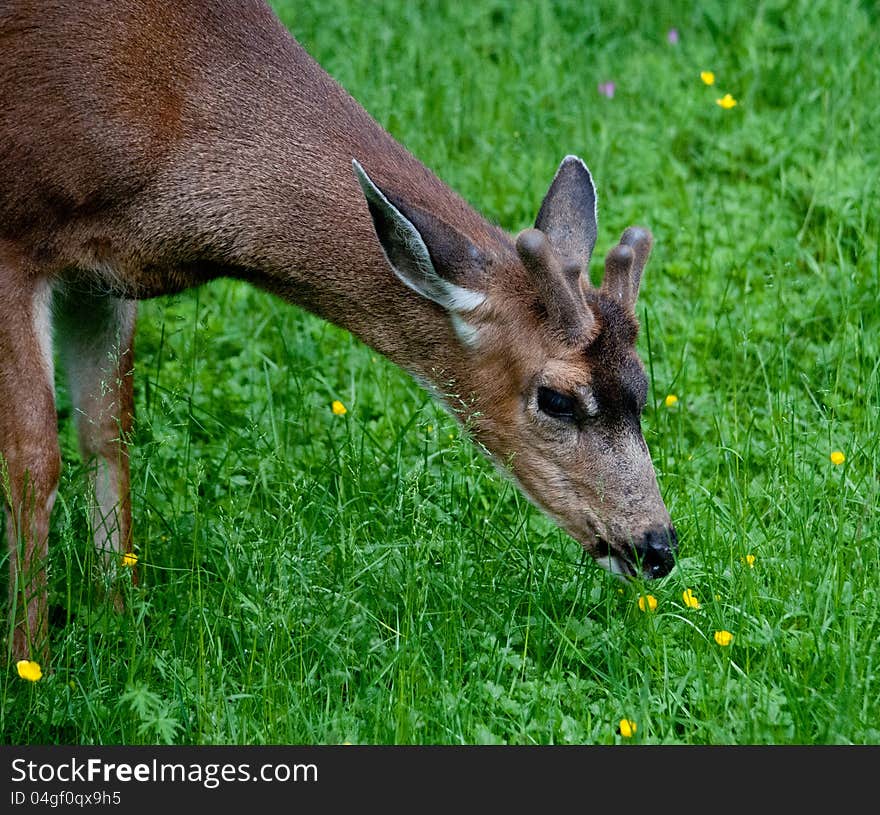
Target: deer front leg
[(30, 460), (95, 335)]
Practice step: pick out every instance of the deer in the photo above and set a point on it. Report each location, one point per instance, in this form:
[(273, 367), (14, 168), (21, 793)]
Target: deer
[(148, 147)]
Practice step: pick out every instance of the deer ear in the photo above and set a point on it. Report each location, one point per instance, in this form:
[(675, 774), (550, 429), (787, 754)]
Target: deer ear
[(568, 213), (426, 253)]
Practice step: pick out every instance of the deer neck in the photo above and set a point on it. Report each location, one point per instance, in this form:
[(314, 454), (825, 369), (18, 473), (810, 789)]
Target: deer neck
[(301, 228)]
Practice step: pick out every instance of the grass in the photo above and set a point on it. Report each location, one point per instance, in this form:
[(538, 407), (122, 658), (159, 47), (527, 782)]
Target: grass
[(314, 578)]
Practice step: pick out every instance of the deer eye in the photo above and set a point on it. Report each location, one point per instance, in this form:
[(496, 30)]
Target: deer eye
[(555, 404)]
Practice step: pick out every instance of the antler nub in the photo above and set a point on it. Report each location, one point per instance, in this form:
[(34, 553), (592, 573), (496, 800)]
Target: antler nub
[(625, 263), (558, 284), (616, 282), (535, 251), (641, 241)]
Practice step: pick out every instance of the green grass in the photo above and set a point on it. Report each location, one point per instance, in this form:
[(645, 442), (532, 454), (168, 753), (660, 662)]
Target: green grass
[(312, 578)]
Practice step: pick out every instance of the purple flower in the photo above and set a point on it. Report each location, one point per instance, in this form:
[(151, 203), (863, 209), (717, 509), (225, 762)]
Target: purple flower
[(672, 36), (606, 89)]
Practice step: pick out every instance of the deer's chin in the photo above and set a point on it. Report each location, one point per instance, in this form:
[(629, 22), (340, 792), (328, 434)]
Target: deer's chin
[(612, 562), (617, 566)]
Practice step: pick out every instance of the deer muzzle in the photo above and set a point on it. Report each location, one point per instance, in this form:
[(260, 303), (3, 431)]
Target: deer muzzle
[(651, 556), (655, 552)]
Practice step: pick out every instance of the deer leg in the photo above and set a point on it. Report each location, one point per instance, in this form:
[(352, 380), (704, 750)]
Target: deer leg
[(95, 340), (30, 460)]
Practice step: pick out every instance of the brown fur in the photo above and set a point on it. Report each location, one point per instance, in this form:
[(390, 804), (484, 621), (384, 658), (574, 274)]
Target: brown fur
[(147, 147)]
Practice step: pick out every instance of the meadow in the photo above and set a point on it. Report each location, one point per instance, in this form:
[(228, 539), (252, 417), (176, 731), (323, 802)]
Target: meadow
[(319, 577)]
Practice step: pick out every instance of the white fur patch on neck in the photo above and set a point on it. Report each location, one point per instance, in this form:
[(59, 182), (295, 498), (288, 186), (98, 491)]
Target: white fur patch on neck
[(467, 333), (459, 298)]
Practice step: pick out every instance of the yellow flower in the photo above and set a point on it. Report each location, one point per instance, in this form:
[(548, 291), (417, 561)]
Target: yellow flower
[(708, 77), (338, 408), (726, 101), (671, 400), (690, 599), (628, 728), (837, 457), (723, 638), (129, 559), (430, 428), (29, 670), (750, 561), (647, 602)]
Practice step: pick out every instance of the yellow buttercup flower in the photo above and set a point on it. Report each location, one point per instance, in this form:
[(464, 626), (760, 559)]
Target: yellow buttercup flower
[(647, 602), (749, 560), (29, 670), (708, 77), (129, 559), (690, 599), (723, 638), (628, 728), (338, 408), (837, 457), (726, 101), (671, 400)]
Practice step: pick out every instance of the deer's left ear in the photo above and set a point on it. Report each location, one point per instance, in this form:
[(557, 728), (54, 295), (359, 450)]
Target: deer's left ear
[(568, 213), (426, 253)]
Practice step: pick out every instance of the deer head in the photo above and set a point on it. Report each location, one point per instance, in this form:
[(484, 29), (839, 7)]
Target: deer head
[(548, 377)]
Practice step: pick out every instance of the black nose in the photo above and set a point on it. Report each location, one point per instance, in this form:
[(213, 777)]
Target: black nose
[(655, 552)]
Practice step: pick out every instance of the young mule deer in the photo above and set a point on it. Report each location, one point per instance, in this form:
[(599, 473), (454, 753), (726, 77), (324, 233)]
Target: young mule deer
[(149, 146)]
